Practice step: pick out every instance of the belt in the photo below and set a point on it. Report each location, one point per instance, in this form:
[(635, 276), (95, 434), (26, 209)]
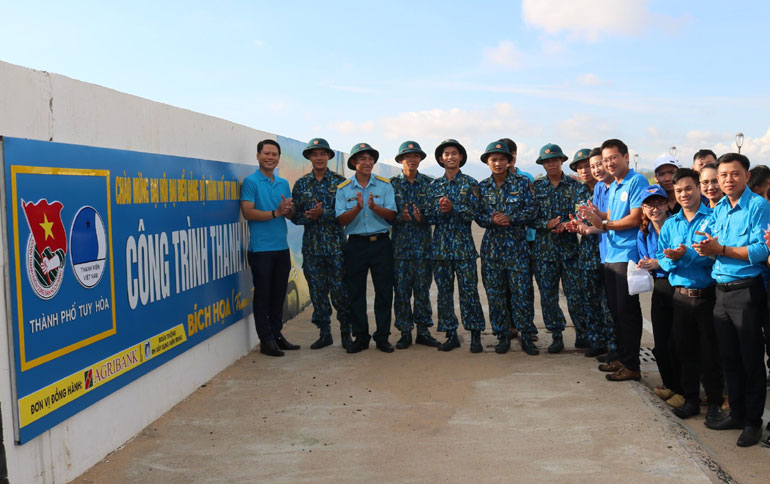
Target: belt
[(369, 238), (695, 293), (743, 283)]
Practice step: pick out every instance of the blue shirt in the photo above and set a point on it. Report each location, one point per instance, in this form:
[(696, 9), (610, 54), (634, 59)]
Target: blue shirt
[(366, 222), (266, 194), (647, 246), (741, 226), (691, 270), (530, 231), (601, 200), (623, 196)]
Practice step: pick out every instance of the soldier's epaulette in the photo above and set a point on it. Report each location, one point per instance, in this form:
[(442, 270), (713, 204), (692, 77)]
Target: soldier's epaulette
[(344, 184), (382, 178)]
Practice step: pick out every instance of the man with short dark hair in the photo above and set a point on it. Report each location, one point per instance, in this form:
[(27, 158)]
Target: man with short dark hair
[(759, 181), (702, 158), (622, 222), (736, 238), (266, 204), (313, 195), (692, 328), (365, 205)]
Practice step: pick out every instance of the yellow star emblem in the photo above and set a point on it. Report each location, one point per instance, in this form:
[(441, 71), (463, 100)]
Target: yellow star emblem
[(47, 227)]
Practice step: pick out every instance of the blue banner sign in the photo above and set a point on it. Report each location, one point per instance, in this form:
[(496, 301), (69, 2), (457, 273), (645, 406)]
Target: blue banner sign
[(118, 262)]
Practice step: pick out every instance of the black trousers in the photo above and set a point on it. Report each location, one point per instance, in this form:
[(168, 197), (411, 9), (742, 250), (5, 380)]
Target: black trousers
[(626, 312), (270, 274), (696, 346), (361, 256), (662, 314), (738, 319)]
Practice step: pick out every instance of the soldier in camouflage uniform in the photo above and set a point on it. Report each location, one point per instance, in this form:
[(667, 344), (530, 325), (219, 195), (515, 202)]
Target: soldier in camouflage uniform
[(507, 206), (314, 196), (590, 329), (557, 196), (412, 249), (454, 204)]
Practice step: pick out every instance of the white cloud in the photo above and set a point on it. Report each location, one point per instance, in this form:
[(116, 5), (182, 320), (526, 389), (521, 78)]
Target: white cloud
[(343, 127), (505, 56), (552, 47), (581, 131), (590, 80), (588, 19)]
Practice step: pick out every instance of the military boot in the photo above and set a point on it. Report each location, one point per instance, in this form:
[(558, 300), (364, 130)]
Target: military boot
[(346, 339), (424, 338), (451, 342), (581, 342), (527, 345), (476, 341), (557, 343), (504, 343), (405, 341), (325, 339)]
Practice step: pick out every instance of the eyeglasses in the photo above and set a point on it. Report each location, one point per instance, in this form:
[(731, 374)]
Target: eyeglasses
[(662, 205), (611, 158)]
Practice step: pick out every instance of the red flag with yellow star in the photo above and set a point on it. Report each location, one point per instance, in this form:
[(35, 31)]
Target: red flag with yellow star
[(44, 221)]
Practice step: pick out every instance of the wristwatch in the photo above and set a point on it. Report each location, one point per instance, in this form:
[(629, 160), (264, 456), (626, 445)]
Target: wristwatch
[(604, 224)]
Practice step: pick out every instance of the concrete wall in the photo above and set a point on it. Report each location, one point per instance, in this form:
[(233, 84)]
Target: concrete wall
[(40, 105)]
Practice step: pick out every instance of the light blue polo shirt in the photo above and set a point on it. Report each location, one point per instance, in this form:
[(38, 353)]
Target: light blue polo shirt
[(530, 231), (601, 200), (691, 270), (741, 226), (266, 195), (623, 196), (366, 222)]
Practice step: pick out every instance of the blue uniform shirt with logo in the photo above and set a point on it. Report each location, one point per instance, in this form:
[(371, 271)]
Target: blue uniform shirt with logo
[(622, 197), (366, 222), (601, 200), (691, 270), (647, 246), (266, 194), (741, 226)]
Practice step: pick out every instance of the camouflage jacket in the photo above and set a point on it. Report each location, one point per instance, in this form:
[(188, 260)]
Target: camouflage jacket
[(513, 198), (452, 237), (322, 236), (411, 240), (554, 201)]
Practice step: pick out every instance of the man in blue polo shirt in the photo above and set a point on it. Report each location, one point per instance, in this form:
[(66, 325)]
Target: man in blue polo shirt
[(621, 222), (736, 237), (692, 328), (266, 203), (365, 206)]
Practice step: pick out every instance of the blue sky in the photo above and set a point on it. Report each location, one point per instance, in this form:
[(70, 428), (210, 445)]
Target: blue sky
[(572, 72)]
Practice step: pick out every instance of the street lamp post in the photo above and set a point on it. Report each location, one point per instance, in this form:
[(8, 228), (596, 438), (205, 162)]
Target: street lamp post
[(739, 141), (636, 162)]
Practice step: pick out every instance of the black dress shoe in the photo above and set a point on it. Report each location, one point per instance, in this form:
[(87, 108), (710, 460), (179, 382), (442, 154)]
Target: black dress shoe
[(611, 356), (323, 341), (405, 341), (714, 413), (451, 342), (595, 350), (476, 341), (358, 345), (527, 345), (750, 436), (689, 409), (347, 340), (504, 343), (385, 346), (284, 344), (427, 340), (269, 348), (727, 423)]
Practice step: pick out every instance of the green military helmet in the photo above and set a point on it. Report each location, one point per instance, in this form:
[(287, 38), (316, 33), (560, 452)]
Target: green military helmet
[(362, 148), (409, 147), (497, 147), (580, 155), (551, 151), (315, 144), (456, 144)]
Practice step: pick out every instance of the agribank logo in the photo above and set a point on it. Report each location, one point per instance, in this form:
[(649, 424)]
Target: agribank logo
[(46, 247)]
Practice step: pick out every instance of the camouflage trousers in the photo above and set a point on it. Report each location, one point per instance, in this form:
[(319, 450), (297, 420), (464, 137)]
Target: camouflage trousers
[(548, 274), (324, 279), (467, 281), (413, 278), (508, 294), (591, 320)]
